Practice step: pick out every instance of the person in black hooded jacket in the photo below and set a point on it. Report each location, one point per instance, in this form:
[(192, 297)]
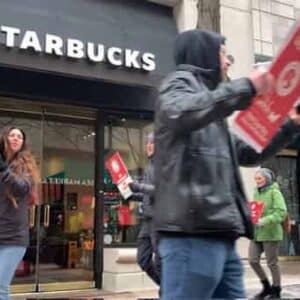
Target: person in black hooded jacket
[(200, 208)]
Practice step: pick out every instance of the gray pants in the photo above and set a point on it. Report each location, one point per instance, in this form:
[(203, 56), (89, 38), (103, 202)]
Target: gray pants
[(271, 250)]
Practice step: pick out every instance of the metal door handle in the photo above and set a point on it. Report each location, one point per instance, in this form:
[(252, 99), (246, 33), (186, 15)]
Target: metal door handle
[(32, 216), (46, 215)]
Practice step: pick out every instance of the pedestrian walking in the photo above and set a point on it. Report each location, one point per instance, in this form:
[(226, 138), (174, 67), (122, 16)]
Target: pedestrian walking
[(268, 232), (200, 207), (18, 186), (147, 254)]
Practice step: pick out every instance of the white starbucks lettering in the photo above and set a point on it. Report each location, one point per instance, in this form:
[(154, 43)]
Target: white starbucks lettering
[(95, 52), (114, 56), (10, 33), (54, 45), (148, 60), (31, 40), (74, 48), (131, 59)]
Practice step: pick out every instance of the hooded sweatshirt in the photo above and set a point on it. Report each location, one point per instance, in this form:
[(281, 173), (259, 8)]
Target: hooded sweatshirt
[(201, 49)]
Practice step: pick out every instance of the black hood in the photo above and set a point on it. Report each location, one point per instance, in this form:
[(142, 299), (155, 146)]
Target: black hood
[(200, 48)]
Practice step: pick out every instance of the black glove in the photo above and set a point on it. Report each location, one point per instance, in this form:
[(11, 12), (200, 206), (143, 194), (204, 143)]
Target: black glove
[(298, 108), (3, 164)]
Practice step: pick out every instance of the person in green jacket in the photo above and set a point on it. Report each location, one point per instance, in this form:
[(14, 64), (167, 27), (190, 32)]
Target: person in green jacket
[(268, 232)]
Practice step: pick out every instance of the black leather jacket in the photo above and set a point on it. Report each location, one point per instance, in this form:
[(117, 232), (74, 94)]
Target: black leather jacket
[(198, 187)]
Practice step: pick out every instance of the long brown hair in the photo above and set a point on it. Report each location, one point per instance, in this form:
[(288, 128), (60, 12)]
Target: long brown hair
[(20, 163)]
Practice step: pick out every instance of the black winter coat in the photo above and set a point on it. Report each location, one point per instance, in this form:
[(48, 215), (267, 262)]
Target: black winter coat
[(198, 187)]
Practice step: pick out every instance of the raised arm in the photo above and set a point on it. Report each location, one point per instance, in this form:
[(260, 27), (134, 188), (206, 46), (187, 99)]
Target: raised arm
[(184, 108)]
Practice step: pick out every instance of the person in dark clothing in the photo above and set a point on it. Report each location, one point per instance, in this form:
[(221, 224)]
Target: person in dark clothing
[(146, 242), (200, 207), (18, 187)]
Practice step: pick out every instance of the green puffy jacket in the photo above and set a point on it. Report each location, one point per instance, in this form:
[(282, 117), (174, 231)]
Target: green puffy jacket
[(273, 215)]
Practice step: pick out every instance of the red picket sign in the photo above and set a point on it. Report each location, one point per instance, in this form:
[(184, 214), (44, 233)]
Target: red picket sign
[(124, 215), (256, 208), (116, 168), (119, 174), (259, 123)]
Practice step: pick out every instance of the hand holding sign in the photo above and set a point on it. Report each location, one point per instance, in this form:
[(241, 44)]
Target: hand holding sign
[(259, 123), (294, 114), (262, 81), (256, 208)]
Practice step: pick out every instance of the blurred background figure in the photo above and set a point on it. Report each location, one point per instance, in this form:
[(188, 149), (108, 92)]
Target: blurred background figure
[(268, 232), (147, 255)]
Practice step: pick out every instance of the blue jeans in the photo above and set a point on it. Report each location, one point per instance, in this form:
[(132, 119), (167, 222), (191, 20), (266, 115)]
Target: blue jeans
[(10, 257), (200, 268)]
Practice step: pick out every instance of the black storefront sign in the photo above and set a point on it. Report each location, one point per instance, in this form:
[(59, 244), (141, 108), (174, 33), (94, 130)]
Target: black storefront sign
[(106, 54), (53, 44), (86, 52)]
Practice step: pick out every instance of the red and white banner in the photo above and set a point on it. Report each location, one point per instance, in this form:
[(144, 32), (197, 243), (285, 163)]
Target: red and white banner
[(259, 123), (256, 208), (119, 174)]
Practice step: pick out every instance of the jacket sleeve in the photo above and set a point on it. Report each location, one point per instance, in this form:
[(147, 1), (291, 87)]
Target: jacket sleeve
[(147, 188), (279, 210), (138, 197), (184, 108), (247, 156), (18, 185), (142, 188)]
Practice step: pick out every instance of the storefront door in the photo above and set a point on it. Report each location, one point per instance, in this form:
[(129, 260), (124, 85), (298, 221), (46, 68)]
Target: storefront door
[(126, 135), (60, 254), (62, 236), (67, 214)]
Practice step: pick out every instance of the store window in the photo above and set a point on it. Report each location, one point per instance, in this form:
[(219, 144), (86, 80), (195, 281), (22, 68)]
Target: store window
[(68, 194), (122, 218), (61, 246)]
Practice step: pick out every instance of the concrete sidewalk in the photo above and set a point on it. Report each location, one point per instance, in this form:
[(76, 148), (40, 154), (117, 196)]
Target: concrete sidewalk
[(290, 290)]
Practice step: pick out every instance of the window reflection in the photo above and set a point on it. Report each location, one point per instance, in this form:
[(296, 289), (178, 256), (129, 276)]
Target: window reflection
[(68, 187), (122, 217)]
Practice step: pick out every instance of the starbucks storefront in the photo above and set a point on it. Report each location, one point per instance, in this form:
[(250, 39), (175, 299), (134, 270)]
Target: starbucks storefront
[(80, 79)]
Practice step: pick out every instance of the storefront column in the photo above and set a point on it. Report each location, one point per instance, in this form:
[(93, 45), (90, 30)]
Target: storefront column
[(186, 14), (99, 187)]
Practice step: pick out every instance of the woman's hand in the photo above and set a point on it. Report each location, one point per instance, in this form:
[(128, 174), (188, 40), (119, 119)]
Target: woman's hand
[(260, 223)]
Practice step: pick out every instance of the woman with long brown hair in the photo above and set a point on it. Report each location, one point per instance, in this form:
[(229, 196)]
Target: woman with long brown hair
[(19, 179)]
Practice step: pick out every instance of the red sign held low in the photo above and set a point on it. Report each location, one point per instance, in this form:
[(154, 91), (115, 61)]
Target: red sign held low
[(256, 208)]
